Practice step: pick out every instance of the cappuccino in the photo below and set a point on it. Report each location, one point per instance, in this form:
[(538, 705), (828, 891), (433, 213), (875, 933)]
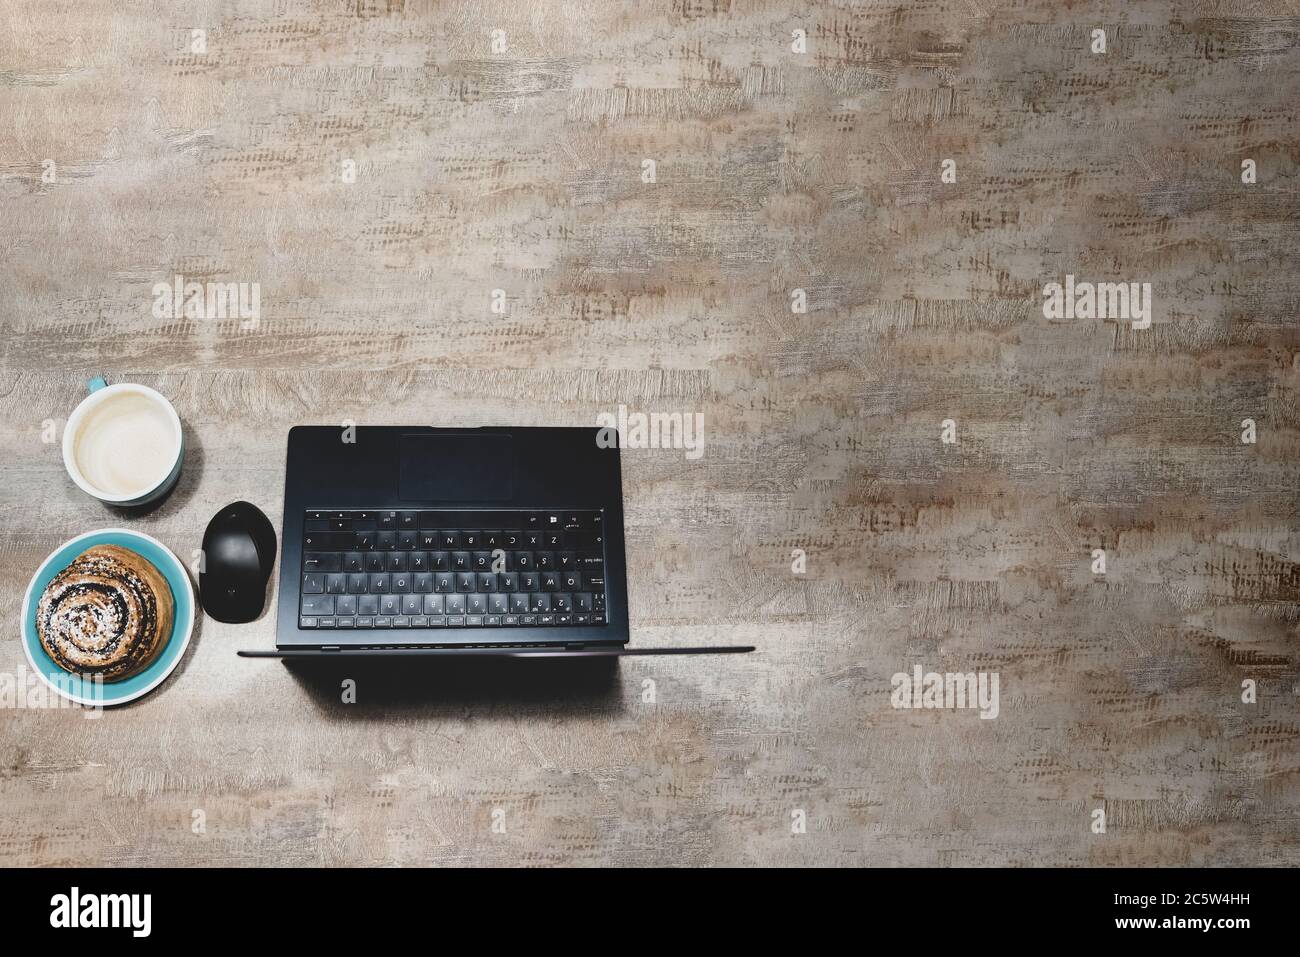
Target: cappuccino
[(126, 445)]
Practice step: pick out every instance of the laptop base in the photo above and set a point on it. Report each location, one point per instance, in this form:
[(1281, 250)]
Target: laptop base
[(331, 654)]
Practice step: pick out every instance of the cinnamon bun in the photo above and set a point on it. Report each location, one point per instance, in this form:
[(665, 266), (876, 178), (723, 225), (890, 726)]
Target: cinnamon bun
[(108, 614)]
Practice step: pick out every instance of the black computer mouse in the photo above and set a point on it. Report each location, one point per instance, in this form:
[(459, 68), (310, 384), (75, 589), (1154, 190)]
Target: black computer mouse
[(238, 554)]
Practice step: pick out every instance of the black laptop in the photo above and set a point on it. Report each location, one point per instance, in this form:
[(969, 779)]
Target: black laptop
[(466, 542)]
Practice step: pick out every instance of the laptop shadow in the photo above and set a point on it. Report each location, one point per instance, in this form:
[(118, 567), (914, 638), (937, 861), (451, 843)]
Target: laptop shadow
[(442, 688)]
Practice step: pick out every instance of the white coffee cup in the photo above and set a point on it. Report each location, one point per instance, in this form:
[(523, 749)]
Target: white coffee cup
[(123, 444)]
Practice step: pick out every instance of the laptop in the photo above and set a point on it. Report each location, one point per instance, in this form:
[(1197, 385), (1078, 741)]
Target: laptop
[(488, 542)]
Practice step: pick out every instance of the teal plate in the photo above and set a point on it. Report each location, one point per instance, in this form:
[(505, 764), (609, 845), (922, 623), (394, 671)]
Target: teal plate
[(108, 693)]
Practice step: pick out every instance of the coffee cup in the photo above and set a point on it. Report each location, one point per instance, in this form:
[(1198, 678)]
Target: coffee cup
[(123, 444)]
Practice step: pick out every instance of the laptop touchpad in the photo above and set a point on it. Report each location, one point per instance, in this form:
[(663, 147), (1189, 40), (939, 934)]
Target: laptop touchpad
[(457, 468)]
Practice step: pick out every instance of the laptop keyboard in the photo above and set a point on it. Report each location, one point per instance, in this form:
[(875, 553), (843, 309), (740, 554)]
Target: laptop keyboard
[(452, 569)]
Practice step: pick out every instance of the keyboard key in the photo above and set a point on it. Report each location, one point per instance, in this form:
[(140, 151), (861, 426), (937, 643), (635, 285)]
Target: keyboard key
[(539, 601), (455, 621), (570, 580), (412, 604), (476, 604), (324, 622), (374, 562), (323, 562), (345, 605), (313, 584), (419, 562), (498, 604), (487, 581), (354, 562), (387, 519), (401, 582), (368, 605), (455, 604), (336, 584), (466, 581), (385, 541), (492, 621), (384, 622), (419, 621), (562, 602), (582, 601), (318, 605), (510, 620), (444, 582), (390, 604), (440, 561), (473, 621), (449, 540), (471, 539), (422, 583), (306, 622), (380, 584), (406, 540), (395, 562), (521, 561), (401, 621), (433, 604), (518, 603), (365, 622), (550, 582), (408, 520), (507, 581)]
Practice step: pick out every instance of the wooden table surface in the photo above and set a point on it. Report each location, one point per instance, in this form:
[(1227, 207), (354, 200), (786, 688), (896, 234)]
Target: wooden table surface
[(514, 161)]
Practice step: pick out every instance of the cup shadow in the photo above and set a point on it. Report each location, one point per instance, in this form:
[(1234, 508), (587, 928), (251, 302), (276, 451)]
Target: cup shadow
[(177, 497), (444, 688)]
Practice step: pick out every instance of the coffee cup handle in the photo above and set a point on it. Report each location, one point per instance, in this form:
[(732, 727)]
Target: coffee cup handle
[(95, 384)]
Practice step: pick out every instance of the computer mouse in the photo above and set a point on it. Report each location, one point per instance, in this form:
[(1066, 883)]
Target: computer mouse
[(238, 555)]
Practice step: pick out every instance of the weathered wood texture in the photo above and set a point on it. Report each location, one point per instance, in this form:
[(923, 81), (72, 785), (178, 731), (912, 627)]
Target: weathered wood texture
[(522, 170)]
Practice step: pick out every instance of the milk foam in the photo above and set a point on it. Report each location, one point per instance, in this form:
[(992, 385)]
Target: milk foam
[(126, 445)]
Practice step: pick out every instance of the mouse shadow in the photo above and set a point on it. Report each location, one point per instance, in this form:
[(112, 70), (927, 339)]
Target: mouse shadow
[(435, 687)]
